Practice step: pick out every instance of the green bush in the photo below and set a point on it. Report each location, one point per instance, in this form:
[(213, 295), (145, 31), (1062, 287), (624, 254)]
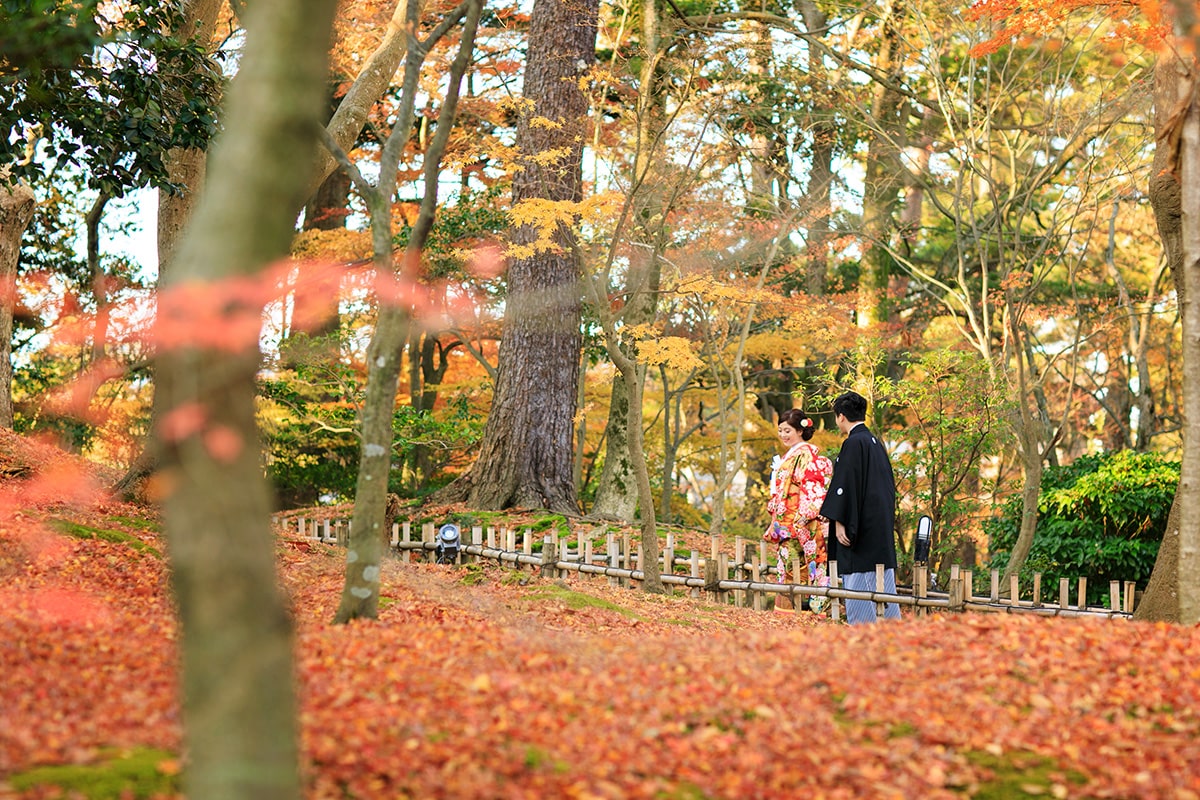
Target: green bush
[(1101, 517)]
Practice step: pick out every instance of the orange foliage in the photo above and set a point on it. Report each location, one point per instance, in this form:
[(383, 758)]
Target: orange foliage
[(498, 690), (1138, 20)]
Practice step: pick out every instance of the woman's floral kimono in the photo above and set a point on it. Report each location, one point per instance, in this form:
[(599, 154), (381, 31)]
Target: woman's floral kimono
[(798, 482)]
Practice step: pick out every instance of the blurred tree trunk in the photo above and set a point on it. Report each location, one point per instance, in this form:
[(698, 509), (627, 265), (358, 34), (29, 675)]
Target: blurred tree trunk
[(16, 212), (525, 458), (238, 693)]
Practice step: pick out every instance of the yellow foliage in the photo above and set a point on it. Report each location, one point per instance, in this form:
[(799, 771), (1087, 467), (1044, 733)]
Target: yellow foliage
[(672, 351), (550, 156), (544, 122), (340, 245)]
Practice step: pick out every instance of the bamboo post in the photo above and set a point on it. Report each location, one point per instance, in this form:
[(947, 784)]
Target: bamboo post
[(694, 572), (1082, 593), (764, 558), (1064, 594), (614, 558), (1014, 590), (476, 539), (722, 574), (626, 556), (1130, 596), (968, 585), (995, 595), (956, 588), (835, 607), (491, 537), (879, 604), (739, 566), (1037, 589), (668, 556), (1114, 593), (711, 577), (510, 539), (757, 598), (406, 535), (587, 553), (527, 542), (921, 586), (549, 555), (301, 528), (427, 538)]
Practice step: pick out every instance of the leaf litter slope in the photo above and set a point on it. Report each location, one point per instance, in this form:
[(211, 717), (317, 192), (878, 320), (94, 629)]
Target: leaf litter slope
[(577, 689)]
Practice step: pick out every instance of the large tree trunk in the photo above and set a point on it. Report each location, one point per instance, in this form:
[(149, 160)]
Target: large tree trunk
[(16, 211), (525, 458), (1161, 598), (239, 705)]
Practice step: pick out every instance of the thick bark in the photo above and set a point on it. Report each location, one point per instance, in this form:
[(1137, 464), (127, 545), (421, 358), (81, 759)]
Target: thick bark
[(16, 212), (1160, 601), (883, 176), (525, 458), (1189, 478), (239, 703), (1161, 598)]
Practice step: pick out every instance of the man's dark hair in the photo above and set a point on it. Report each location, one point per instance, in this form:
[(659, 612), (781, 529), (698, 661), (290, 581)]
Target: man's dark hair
[(851, 405)]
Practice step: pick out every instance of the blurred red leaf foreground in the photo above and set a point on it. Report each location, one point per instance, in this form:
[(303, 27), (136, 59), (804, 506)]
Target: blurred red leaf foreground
[(479, 682)]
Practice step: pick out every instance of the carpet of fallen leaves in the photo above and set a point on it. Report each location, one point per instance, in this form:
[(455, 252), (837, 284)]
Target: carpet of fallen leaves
[(487, 683)]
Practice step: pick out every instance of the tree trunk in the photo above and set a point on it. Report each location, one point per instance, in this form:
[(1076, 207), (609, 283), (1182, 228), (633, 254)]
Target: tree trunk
[(185, 168), (1161, 598), (1189, 478), (360, 593), (616, 494), (16, 212), (525, 458), (239, 705)]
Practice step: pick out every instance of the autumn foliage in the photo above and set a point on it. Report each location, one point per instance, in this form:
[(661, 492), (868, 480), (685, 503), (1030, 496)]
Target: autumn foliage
[(512, 685)]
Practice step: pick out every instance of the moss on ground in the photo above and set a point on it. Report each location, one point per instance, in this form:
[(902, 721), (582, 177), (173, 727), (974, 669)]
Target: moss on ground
[(138, 773), (117, 537)]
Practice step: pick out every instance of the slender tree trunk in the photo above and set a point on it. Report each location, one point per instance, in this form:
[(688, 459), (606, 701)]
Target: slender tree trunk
[(360, 593), (616, 497), (99, 278), (239, 703), (16, 212), (525, 457)]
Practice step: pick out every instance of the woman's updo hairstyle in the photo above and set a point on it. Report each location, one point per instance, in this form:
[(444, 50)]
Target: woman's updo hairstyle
[(799, 421)]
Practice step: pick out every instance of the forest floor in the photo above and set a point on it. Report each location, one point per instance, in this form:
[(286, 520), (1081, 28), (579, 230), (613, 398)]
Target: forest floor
[(485, 682)]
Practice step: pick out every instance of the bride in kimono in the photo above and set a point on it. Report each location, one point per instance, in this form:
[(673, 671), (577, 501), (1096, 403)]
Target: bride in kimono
[(798, 482)]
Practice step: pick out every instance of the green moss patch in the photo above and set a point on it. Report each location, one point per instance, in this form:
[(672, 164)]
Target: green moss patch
[(578, 600), (117, 537), (139, 773), (1021, 774)]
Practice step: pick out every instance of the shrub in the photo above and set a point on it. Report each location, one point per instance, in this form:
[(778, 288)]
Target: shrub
[(1101, 517)]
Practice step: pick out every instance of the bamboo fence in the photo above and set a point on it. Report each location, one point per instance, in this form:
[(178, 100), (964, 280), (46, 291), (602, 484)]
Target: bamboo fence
[(742, 578)]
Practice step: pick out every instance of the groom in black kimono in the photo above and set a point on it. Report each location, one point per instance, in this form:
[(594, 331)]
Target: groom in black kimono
[(861, 508)]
